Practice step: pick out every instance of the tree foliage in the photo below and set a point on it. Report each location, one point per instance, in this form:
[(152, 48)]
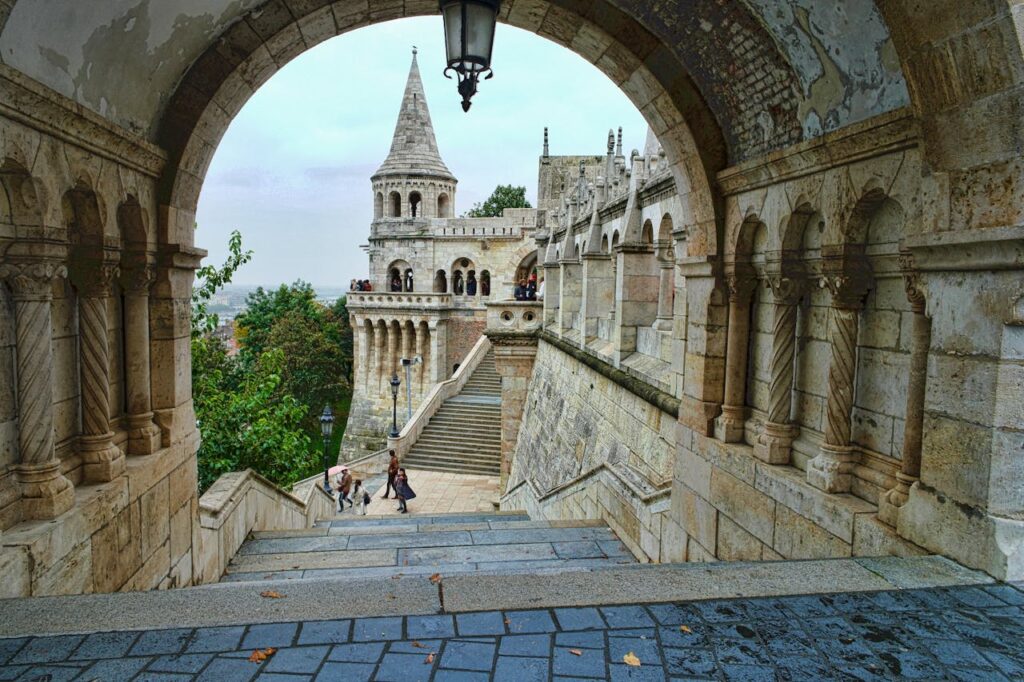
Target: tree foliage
[(503, 196)]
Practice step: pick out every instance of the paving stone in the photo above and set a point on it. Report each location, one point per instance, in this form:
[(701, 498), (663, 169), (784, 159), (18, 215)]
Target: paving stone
[(47, 649), (215, 640), (419, 627), (282, 677), (525, 645), (51, 673), (581, 640), (12, 672), (800, 668), (270, 635), (1006, 593), (646, 649), (170, 677), (467, 655), (104, 645), (461, 676), (346, 672), (376, 629), (404, 668), (518, 669), (674, 636), (586, 549), (124, 669), (436, 539), (180, 663), (9, 647), (475, 624), (357, 653), (675, 614), (228, 670), (324, 632), (579, 619), (626, 616), (417, 647), (589, 662), (294, 545), (644, 673), (303, 659), (475, 554), (530, 621), (748, 673)]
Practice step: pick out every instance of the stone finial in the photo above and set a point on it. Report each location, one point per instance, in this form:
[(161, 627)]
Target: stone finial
[(611, 142), (545, 141), (618, 144)]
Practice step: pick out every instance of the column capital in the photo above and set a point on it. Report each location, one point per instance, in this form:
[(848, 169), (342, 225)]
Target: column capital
[(912, 282), (32, 281), (137, 279), (740, 286), (785, 290), (93, 278), (848, 291)]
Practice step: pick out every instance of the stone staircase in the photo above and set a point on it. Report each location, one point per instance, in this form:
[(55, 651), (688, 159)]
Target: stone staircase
[(361, 548), (464, 436)]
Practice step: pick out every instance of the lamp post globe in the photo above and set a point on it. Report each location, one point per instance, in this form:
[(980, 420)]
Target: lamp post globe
[(326, 429), (395, 383), (469, 41)]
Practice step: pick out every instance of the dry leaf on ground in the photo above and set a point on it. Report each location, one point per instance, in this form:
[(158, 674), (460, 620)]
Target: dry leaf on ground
[(436, 578), (631, 659), (419, 645), (429, 658), (575, 652), (685, 628), (262, 654), (271, 594), (392, 597)]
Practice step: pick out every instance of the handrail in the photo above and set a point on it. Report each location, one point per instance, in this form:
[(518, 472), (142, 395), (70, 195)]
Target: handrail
[(435, 398)]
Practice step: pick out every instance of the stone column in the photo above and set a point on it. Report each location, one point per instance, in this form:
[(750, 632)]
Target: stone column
[(439, 370), (379, 331), (775, 442), (552, 295), (636, 289), (570, 289), (666, 293), (910, 470), (394, 338), (143, 434), (729, 426), (831, 470), (101, 460), (46, 493), (421, 350), (598, 293)]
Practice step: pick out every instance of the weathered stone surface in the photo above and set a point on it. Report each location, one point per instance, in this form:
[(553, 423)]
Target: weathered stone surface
[(798, 538), (752, 510), (736, 544)]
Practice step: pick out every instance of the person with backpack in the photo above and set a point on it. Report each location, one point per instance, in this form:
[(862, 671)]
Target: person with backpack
[(360, 496)]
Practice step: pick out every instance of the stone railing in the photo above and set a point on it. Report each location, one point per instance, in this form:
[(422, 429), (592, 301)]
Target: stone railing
[(413, 300), (514, 317), (241, 502), (363, 467), (433, 400)]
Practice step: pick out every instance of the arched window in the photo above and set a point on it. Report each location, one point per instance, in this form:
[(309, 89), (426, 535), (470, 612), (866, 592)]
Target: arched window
[(647, 234), (378, 205), (440, 282), (396, 204), (457, 284), (485, 283), (471, 283), (407, 283), (414, 204), (442, 205), (395, 280)]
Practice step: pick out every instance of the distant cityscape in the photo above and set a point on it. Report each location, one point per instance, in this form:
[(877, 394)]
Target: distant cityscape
[(230, 301)]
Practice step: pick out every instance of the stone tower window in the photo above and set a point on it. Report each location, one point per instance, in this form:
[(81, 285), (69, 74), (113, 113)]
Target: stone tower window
[(442, 205), (414, 204), (378, 205), (396, 205), (440, 282)]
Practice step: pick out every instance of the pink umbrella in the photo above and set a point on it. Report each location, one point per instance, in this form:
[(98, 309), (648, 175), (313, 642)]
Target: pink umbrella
[(337, 469)]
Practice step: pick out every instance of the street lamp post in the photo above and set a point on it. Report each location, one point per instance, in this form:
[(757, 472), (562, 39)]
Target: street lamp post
[(469, 41), (408, 363), (326, 428), (395, 383)]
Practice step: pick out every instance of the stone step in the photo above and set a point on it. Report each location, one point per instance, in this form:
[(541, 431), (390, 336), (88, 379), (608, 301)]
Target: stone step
[(481, 410), (475, 455), (419, 523), (460, 442), (427, 464)]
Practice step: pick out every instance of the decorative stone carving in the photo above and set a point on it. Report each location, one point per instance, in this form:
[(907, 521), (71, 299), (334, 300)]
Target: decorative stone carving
[(144, 435), (729, 426), (774, 443), (46, 492)]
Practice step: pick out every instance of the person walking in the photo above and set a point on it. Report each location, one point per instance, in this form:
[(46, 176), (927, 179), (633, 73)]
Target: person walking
[(360, 496), (404, 491), (344, 490), (392, 472)]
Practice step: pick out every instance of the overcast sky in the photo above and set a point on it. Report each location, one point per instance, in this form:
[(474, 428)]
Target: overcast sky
[(293, 171)]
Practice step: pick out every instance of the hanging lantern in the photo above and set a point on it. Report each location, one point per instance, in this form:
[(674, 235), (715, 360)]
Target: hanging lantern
[(469, 40)]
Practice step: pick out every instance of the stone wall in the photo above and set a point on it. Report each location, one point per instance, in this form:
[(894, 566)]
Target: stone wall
[(463, 333)]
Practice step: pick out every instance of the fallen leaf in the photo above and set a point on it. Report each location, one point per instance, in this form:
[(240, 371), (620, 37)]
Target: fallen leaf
[(508, 621), (270, 594), (575, 652), (419, 645), (392, 597), (429, 658), (684, 628), (631, 659), (262, 654), (436, 578)]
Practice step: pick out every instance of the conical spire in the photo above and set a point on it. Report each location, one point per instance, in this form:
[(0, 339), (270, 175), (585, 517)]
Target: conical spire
[(414, 147)]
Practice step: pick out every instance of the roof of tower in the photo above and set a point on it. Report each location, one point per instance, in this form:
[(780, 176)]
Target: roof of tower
[(414, 147)]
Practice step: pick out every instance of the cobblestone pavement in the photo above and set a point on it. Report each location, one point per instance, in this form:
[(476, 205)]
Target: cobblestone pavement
[(439, 492), (961, 633)]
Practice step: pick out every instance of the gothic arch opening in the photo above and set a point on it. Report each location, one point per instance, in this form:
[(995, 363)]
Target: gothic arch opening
[(442, 205), (396, 205), (415, 200)]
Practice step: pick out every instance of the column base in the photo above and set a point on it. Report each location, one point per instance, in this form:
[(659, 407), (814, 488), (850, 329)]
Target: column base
[(46, 493), (663, 324), (775, 443), (102, 461), (729, 427), (144, 437), (889, 503), (831, 471), (972, 536)]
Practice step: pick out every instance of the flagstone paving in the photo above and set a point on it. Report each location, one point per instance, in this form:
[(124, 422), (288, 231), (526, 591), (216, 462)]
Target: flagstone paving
[(441, 492), (951, 633)]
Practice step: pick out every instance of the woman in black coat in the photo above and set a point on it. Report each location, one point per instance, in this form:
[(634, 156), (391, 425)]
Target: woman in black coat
[(403, 491)]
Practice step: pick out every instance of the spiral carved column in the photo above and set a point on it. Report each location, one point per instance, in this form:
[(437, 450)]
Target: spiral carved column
[(832, 469), (729, 426), (101, 460), (46, 493), (143, 433), (775, 442), (910, 470)]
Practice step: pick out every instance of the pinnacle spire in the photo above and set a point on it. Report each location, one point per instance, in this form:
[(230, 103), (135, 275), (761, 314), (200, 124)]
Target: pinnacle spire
[(414, 147)]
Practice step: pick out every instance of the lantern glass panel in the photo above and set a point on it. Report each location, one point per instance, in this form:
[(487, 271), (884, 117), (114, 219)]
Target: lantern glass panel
[(453, 30), (479, 36)]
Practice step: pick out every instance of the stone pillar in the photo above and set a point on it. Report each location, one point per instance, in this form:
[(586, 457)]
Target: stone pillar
[(439, 370), (421, 350), (379, 331), (102, 461), (143, 433), (552, 295), (46, 493), (570, 289), (666, 296), (831, 470), (775, 442), (598, 293), (706, 319), (729, 426), (394, 339), (636, 293), (910, 470)]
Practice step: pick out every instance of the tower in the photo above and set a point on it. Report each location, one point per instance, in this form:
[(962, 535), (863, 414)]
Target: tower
[(413, 182)]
